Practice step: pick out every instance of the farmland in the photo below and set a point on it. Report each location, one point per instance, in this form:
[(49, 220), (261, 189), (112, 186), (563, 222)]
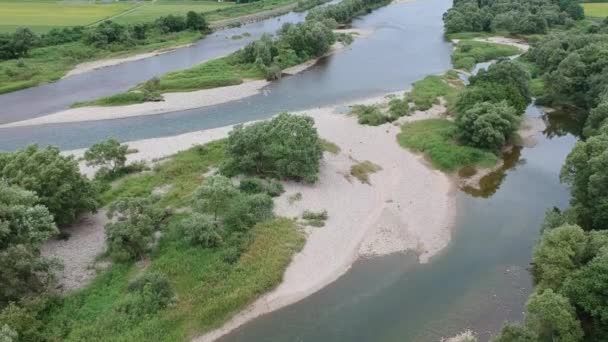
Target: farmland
[(597, 10), (42, 15)]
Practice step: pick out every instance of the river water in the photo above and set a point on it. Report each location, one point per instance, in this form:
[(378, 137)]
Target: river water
[(479, 281)]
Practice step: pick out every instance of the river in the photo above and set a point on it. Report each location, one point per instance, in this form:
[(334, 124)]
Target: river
[(479, 281)]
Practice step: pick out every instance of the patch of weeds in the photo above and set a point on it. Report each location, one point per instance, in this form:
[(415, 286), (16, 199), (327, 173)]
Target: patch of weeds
[(363, 169), (329, 146), (294, 198)]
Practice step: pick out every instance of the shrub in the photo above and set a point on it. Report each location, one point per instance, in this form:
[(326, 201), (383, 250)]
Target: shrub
[(147, 295), (255, 185), (130, 233), (398, 107), (109, 155), (487, 125), (286, 146), (55, 178), (247, 210), (362, 170), (201, 229), (370, 115), (315, 215)]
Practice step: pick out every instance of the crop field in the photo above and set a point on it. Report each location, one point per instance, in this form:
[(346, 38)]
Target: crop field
[(597, 10), (42, 15)]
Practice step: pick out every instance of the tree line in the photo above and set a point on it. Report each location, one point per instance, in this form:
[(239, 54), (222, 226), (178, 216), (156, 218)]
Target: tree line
[(18, 44), (513, 16)]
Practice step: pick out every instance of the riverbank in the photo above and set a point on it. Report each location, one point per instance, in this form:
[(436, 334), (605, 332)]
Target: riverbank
[(406, 206), (177, 101)]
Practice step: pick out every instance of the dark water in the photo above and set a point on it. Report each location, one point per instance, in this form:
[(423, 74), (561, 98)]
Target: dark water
[(407, 44), (107, 81), (478, 282)]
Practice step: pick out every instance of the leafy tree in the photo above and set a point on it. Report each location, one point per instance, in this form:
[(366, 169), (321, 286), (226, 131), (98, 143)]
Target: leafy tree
[(286, 146), (171, 23), (505, 72), (516, 333), (247, 210), (487, 125), (596, 119), (201, 229), (552, 317), (586, 171), (130, 233), (20, 323), (560, 251), (214, 195), (196, 21), (56, 180), (587, 288), (110, 155)]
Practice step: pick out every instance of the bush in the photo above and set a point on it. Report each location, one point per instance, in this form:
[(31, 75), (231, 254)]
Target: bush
[(147, 295), (370, 115), (201, 229), (130, 233), (312, 215), (21, 323), (109, 155), (398, 107), (286, 146), (255, 185), (487, 125), (247, 210), (55, 178)]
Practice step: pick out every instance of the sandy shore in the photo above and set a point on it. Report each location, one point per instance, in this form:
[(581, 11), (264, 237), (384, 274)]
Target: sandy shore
[(407, 206), (173, 102), (518, 43), (103, 63)]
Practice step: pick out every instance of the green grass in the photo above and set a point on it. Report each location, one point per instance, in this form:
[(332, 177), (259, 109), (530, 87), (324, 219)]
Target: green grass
[(329, 146), (210, 284), (121, 99), (436, 139), (41, 15), (150, 11), (597, 10), (183, 173), (208, 289), (362, 170), (426, 92), (51, 63), (470, 52)]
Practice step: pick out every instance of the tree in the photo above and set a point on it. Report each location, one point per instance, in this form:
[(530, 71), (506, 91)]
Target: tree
[(552, 317), (23, 41), (196, 21), (110, 155), (516, 333), (286, 146), (487, 125), (596, 119), (201, 229), (214, 195), (56, 180), (130, 233), (586, 171), (559, 253)]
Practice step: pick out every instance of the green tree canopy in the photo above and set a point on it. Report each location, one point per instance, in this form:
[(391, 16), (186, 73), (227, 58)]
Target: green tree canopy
[(109, 155), (487, 125)]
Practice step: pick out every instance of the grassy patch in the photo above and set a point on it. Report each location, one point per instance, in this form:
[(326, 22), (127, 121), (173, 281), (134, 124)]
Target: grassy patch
[(363, 169), (426, 92), (209, 288), (51, 63), (121, 99), (470, 52), (152, 10), (370, 115), (329, 146), (436, 139), (42, 15), (183, 173), (210, 284), (597, 10)]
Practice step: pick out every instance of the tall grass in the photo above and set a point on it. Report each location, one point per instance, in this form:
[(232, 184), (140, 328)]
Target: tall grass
[(470, 52), (436, 138)]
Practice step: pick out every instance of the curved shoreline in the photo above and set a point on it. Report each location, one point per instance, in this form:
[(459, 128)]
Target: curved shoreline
[(174, 102), (407, 206)]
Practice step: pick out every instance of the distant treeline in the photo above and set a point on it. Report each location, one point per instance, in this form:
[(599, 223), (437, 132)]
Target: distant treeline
[(18, 44), (513, 16)]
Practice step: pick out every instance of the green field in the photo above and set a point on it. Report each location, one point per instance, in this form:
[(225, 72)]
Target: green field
[(596, 9), (152, 10), (42, 15)]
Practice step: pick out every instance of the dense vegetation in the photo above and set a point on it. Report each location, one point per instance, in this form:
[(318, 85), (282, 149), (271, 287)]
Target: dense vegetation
[(204, 262), (569, 70), (512, 16)]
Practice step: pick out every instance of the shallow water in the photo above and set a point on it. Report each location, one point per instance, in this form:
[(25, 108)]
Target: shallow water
[(407, 44), (478, 282)]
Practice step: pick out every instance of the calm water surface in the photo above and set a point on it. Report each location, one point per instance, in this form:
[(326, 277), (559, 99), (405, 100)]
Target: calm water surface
[(478, 282), (407, 44)]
